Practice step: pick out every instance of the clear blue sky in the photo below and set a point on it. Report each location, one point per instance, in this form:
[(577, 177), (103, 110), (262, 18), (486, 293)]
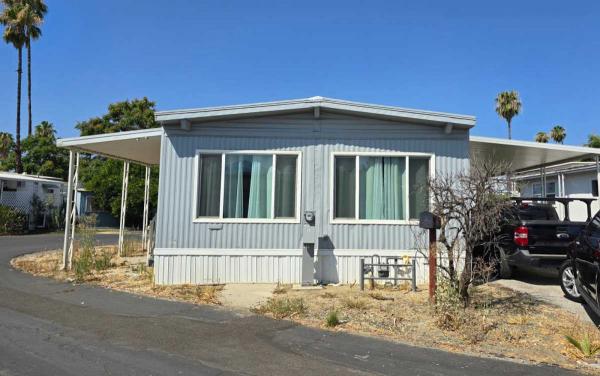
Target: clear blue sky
[(447, 56)]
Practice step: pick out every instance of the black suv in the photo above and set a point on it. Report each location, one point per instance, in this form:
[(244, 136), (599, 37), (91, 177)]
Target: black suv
[(584, 274)]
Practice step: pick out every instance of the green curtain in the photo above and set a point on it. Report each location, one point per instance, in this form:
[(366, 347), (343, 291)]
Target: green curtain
[(382, 187), (394, 186), (419, 197), (210, 185), (234, 186), (371, 188), (285, 186), (345, 187), (261, 180)]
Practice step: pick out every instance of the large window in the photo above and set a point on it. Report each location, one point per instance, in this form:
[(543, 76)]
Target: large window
[(252, 186), (379, 188)]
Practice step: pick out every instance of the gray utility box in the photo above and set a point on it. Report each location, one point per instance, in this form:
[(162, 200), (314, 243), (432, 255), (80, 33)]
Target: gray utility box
[(309, 238)]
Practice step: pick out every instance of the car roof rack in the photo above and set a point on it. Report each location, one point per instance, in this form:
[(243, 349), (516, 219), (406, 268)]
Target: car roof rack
[(563, 200)]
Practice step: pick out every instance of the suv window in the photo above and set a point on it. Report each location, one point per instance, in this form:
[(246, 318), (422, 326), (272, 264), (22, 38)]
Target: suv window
[(533, 212)]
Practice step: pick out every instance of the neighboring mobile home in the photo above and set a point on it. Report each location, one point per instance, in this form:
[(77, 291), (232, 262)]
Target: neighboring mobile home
[(573, 179), (18, 190), (297, 191)]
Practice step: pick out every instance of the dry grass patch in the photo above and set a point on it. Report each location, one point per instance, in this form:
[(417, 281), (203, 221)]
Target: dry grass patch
[(105, 268), (500, 322), (282, 307), (282, 289)]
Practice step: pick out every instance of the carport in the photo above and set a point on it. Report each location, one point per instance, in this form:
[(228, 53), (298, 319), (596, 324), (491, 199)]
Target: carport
[(141, 147), (144, 147)]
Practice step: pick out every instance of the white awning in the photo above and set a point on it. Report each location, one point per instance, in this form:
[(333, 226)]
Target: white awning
[(524, 155), (142, 146)]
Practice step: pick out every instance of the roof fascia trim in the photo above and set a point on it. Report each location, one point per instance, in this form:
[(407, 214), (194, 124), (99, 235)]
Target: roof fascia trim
[(310, 103)]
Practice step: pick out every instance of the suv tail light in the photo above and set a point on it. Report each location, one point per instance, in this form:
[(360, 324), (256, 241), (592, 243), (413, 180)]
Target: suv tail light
[(521, 236)]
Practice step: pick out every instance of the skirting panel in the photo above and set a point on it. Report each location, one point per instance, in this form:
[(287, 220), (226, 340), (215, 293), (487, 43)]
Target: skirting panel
[(204, 269), (284, 266)]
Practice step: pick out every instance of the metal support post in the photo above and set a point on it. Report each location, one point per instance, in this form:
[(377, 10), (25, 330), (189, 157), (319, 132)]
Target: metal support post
[(66, 242), (361, 276), (414, 274), (146, 203), (71, 211), (543, 172), (123, 206)]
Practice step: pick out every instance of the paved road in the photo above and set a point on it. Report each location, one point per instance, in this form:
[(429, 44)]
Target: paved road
[(51, 328)]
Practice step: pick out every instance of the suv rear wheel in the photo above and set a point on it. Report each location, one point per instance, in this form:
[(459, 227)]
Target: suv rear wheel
[(567, 281)]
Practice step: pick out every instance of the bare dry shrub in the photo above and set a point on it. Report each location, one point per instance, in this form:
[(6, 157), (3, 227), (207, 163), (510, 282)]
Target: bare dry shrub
[(472, 213)]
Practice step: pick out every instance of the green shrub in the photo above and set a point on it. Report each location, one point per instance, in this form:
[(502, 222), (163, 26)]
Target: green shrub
[(102, 260), (332, 319), (83, 264), (585, 346), (449, 308), (12, 221)]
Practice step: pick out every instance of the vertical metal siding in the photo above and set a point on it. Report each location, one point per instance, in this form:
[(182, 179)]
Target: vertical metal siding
[(316, 139)]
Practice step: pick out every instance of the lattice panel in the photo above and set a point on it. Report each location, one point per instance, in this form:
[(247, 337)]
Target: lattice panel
[(17, 200)]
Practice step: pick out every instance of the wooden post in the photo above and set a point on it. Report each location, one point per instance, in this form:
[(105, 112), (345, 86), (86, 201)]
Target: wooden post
[(432, 264)]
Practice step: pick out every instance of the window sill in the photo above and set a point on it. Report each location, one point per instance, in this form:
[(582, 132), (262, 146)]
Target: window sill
[(248, 220)]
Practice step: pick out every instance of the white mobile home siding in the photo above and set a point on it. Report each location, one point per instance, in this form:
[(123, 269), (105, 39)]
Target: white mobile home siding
[(189, 252), (577, 184)]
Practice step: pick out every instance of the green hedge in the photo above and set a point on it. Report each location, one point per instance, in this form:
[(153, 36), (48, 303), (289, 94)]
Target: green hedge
[(12, 221)]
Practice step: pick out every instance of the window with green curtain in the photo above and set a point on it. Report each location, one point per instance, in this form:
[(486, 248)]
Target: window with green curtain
[(382, 187), (248, 186), (285, 186), (209, 191), (253, 187), (418, 194), (345, 187)]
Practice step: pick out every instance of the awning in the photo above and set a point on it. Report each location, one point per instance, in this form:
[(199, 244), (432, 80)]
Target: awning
[(142, 146), (524, 155)]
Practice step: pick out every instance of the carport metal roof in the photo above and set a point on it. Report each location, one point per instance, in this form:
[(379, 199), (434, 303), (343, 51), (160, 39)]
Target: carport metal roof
[(524, 155), (143, 147)]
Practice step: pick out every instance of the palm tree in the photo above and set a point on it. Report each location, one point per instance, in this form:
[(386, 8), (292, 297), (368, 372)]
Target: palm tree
[(32, 17), (6, 142), (45, 129), (593, 141), (508, 105), (14, 33), (558, 134), (542, 137)]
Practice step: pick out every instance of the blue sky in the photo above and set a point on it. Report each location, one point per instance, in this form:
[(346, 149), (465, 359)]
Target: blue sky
[(451, 56)]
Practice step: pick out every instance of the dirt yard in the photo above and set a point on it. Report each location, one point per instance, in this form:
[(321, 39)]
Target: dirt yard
[(500, 322), (128, 274)]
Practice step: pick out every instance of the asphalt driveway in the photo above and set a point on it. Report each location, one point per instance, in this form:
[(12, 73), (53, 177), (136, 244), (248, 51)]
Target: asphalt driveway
[(52, 328)]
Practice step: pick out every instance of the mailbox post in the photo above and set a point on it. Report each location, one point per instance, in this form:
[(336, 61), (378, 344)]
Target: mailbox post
[(431, 222)]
